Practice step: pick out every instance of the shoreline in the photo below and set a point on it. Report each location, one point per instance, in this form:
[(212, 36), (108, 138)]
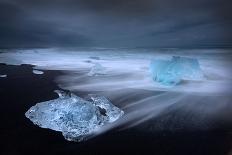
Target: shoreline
[(23, 89)]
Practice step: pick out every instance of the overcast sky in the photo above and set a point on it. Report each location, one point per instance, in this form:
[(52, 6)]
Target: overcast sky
[(115, 23)]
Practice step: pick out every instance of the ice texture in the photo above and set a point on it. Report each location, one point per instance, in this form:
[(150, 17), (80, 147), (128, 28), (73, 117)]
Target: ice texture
[(37, 71), (3, 75), (171, 72), (97, 70), (75, 117)]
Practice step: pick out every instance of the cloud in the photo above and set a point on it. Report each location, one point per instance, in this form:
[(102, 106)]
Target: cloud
[(117, 23), (19, 29)]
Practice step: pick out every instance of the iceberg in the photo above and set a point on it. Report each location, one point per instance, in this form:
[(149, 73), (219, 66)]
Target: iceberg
[(37, 72), (75, 117), (171, 72), (97, 70)]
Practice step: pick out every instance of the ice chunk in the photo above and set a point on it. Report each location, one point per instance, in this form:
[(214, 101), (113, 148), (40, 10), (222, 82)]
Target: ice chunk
[(97, 70), (75, 117), (112, 113), (3, 75), (37, 71), (171, 72)]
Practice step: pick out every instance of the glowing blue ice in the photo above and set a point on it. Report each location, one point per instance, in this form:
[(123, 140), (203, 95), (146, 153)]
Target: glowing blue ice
[(75, 117), (171, 72), (97, 70), (37, 71)]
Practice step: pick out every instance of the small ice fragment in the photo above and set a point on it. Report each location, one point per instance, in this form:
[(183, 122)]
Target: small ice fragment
[(37, 71), (3, 75), (97, 70), (171, 72), (75, 117)]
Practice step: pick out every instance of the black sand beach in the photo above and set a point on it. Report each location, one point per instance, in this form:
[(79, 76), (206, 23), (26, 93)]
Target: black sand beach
[(23, 89)]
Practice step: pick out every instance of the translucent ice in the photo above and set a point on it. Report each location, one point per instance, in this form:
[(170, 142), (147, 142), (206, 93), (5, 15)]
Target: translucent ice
[(96, 70), (3, 75), (171, 72), (75, 117), (37, 72)]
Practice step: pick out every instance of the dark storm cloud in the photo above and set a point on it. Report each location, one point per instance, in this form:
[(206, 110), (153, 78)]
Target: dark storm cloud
[(117, 23), (18, 29)]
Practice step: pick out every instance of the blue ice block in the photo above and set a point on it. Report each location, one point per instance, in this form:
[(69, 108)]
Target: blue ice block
[(171, 72), (75, 117)]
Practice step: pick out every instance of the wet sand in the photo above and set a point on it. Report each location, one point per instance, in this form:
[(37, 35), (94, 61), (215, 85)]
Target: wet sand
[(22, 89)]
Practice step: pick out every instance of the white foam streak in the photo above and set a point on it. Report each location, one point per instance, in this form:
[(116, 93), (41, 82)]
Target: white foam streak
[(127, 77)]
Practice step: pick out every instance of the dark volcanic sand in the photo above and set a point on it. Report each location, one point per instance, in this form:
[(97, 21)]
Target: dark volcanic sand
[(22, 89)]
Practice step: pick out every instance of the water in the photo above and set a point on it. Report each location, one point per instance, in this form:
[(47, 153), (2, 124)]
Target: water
[(156, 121), (128, 82)]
